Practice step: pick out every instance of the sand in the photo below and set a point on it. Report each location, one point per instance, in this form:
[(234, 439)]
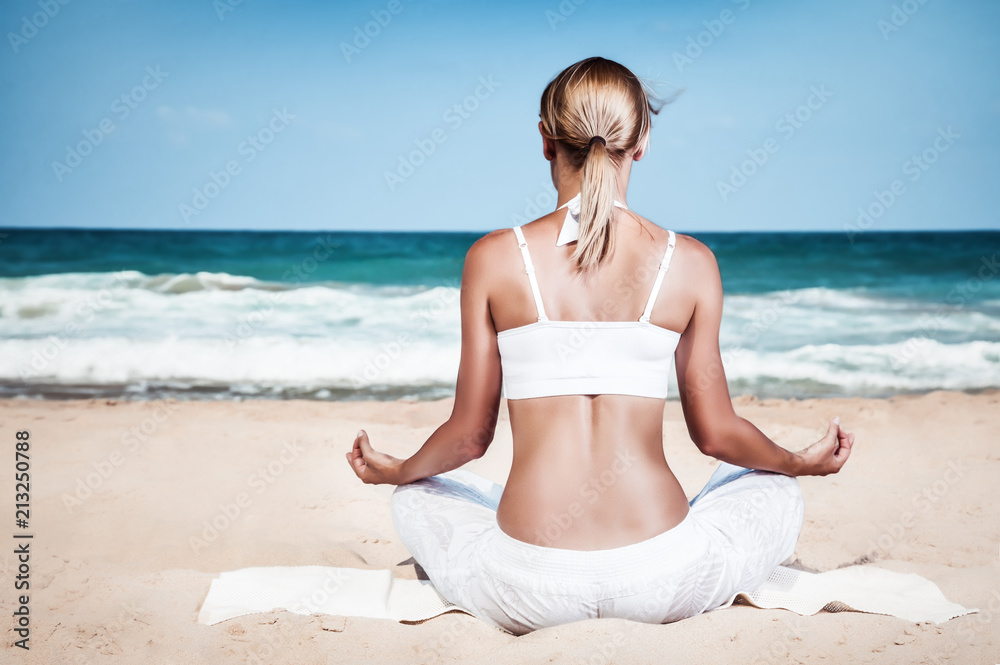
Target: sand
[(124, 494)]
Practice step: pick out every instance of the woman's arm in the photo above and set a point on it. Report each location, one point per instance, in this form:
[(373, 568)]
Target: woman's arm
[(469, 430), (708, 409)]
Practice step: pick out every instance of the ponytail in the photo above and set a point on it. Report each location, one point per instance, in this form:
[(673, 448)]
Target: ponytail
[(597, 207)]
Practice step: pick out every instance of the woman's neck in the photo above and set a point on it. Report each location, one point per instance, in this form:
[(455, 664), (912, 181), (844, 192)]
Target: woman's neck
[(567, 194), (567, 182)]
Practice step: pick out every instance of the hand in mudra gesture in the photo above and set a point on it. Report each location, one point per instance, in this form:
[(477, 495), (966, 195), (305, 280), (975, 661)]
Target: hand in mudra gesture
[(829, 454), (371, 466)]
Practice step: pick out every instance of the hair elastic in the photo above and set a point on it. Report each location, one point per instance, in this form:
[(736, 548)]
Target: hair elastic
[(598, 138)]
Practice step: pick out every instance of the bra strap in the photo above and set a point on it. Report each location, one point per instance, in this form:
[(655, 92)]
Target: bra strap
[(530, 269), (664, 265)]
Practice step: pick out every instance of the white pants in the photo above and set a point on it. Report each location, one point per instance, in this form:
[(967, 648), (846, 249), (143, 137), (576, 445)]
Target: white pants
[(740, 527)]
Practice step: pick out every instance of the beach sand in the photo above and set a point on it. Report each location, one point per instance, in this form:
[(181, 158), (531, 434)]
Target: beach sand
[(121, 559)]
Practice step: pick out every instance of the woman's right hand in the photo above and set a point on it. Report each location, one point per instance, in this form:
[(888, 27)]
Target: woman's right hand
[(827, 455)]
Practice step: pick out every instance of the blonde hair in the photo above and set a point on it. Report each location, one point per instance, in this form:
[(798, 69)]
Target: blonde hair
[(597, 98)]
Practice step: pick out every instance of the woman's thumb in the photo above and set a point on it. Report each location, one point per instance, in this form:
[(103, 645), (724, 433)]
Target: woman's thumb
[(366, 446)]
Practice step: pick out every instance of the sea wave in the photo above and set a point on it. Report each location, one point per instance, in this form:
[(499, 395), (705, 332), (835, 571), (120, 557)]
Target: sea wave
[(234, 334), (258, 361), (166, 283), (260, 364), (912, 365)]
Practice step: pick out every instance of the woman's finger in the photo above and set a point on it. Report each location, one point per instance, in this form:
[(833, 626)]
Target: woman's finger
[(355, 453), (845, 449), (356, 458), (356, 467), (366, 447)]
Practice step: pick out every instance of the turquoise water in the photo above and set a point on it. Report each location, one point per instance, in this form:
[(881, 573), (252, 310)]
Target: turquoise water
[(321, 315)]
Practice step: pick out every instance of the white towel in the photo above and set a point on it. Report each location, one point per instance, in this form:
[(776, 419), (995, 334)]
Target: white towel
[(377, 594), (321, 590), (855, 589)]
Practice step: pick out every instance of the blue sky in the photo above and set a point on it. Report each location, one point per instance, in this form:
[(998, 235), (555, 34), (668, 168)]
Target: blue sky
[(834, 100)]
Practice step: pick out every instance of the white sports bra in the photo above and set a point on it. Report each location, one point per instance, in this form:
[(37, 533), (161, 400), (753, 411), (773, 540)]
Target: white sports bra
[(547, 358)]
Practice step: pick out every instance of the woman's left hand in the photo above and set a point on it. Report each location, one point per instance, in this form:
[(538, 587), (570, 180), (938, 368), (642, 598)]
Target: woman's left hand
[(371, 466)]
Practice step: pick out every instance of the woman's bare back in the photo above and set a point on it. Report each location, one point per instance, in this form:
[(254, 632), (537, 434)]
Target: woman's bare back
[(589, 471)]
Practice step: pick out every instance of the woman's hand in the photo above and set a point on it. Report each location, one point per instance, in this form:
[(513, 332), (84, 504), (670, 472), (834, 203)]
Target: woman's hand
[(827, 455), (371, 466)]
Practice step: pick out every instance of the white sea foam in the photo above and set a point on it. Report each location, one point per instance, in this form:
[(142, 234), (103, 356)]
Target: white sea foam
[(915, 364), (253, 337)]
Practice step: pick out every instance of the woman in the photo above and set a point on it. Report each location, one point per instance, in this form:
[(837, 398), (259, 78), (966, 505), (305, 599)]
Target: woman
[(577, 317)]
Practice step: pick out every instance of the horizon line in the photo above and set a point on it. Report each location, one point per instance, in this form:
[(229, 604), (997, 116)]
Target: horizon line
[(473, 232)]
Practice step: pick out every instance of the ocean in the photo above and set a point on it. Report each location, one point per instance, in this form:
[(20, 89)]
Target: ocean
[(371, 315)]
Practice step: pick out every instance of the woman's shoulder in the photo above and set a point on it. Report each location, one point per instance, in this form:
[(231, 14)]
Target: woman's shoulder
[(697, 270), (697, 255), (488, 246), (693, 267), (693, 256), (503, 241), (488, 253)]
